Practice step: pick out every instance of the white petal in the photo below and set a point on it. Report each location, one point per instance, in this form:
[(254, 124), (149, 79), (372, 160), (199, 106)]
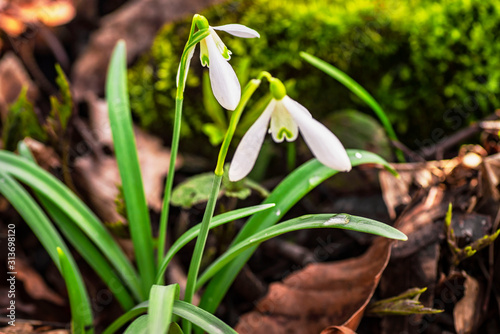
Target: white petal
[(282, 124), (186, 70), (322, 142), (238, 30), (249, 147), (226, 53), (225, 84)]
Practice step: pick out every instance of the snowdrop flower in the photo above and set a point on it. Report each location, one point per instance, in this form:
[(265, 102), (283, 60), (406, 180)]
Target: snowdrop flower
[(215, 55), (286, 118)]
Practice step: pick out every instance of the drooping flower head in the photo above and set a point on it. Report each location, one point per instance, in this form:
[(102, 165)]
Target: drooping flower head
[(284, 118), (215, 55)]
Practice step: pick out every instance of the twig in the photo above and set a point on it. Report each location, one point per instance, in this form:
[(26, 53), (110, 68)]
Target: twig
[(438, 149)]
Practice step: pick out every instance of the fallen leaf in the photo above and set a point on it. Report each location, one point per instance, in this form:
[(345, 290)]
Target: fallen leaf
[(34, 285), (13, 77), (337, 330), (466, 310), (320, 295), (16, 16)]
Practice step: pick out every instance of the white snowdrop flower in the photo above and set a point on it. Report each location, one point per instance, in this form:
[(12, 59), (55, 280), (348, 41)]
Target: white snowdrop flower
[(215, 55), (284, 118)]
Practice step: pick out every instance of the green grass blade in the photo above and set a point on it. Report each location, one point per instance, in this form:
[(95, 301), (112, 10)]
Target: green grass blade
[(120, 120), (54, 190), (139, 326), (51, 241), (89, 253), (357, 89), (126, 317), (161, 303), (342, 221), (83, 244), (81, 314), (193, 232), (201, 318), (285, 195)]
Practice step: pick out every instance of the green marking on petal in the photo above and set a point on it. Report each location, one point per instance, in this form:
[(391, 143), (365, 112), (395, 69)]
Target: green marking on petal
[(226, 53), (204, 60), (284, 132)]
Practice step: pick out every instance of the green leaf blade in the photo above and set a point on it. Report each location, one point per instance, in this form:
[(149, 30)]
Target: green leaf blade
[(193, 232), (357, 89), (295, 186), (342, 221), (128, 164), (161, 303), (54, 190), (81, 312)]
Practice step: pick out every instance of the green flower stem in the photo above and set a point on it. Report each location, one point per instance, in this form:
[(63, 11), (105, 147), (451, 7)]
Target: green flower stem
[(194, 266), (194, 38), (235, 118)]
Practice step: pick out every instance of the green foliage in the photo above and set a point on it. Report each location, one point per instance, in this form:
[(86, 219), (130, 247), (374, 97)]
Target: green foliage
[(61, 107), (404, 304), (458, 253), (428, 64), (21, 122)]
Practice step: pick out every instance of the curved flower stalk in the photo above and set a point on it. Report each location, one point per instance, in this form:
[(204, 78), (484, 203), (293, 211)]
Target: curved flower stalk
[(215, 55), (285, 118)]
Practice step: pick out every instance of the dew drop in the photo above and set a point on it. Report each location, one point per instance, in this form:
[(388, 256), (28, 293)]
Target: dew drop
[(314, 180), (358, 155), (278, 212), (340, 219)]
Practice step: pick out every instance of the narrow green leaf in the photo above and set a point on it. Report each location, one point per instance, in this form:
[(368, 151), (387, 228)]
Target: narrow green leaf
[(341, 221), (356, 89), (51, 241), (139, 326), (161, 303), (406, 303), (89, 253), (285, 195), (199, 317), (120, 121), (83, 244), (81, 312), (175, 329), (54, 190), (193, 232), (126, 317)]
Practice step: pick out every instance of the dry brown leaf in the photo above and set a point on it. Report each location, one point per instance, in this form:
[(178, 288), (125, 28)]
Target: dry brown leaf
[(19, 328), (337, 330), (466, 310), (395, 191), (34, 285), (45, 156), (320, 295), (13, 77), (16, 15)]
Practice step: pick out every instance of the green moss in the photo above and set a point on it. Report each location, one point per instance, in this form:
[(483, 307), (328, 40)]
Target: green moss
[(429, 64)]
